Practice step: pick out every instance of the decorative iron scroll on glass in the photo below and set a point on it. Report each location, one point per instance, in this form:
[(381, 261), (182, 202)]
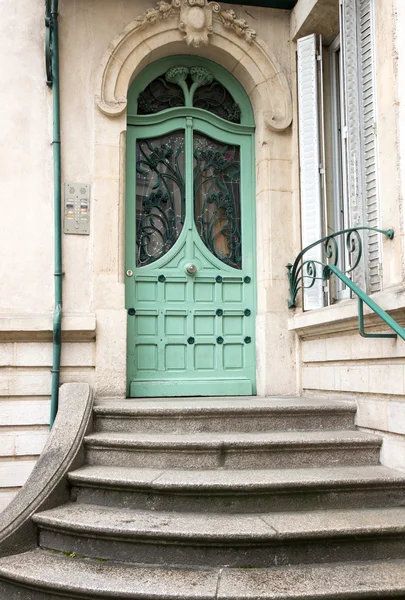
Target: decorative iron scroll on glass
[(303, 274), (160, 195), (217, 210), (184, 86)]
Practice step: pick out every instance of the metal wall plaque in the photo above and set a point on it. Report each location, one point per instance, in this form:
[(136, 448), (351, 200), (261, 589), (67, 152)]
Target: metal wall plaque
[(77, 208)]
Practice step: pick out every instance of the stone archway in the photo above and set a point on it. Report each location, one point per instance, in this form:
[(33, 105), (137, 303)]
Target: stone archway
[(217, 35)]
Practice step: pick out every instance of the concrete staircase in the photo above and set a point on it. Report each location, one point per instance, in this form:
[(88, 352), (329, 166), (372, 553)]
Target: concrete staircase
[(227, 498)]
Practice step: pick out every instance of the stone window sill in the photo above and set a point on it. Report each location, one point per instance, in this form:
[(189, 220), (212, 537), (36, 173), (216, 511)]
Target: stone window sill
[(342, 317)]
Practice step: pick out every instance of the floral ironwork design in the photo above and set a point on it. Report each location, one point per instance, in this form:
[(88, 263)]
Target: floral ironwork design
[(160, 196), (304, 273), (183, 86), (217, 211), (216, 99), (159, 95)]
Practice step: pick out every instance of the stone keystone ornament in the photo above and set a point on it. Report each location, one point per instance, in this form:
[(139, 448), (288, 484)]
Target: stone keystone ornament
[(196, 20)]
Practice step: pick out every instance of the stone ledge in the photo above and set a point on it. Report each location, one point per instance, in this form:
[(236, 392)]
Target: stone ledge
[(39, 327), (342, 317), (315, 16)]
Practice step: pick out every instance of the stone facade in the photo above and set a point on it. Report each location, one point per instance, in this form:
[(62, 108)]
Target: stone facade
[(103, 46)]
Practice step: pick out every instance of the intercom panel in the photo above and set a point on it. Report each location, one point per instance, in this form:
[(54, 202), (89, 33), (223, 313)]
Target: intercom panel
[(77, 208)]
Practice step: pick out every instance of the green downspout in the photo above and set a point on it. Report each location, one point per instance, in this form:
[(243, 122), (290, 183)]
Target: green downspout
[(52, 57)]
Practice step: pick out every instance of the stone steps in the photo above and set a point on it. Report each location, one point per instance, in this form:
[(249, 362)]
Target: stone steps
[(236, 490), (225, 499), (237, 540), (192, 415), (241, 450), (40, 575)]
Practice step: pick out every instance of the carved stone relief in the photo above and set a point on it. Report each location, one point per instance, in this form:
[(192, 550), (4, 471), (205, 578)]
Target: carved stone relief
[(195, 20)]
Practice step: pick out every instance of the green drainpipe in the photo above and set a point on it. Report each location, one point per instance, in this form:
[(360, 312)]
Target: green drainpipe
[(52, 63)]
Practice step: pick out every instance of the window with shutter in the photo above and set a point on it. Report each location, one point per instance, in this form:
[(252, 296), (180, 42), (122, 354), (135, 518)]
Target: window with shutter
[(309, 148), (350, 106)]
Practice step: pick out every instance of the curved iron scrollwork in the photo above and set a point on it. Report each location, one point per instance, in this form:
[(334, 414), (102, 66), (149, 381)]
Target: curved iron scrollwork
[(217, 199), (303, 273), (216, 99), (183, 86), (160, 194), (159, 95)]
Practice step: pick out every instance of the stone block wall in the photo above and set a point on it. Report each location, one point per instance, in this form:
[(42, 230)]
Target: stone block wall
[(25, 383)]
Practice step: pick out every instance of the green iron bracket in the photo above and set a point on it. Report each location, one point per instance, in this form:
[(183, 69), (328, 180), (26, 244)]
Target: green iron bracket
[(306, 271), (363, 298), (360, 310)]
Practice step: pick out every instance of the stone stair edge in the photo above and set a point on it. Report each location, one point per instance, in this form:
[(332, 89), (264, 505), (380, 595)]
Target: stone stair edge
[(188, 441), (203, 480), (38, 570), (228, 405), (222, 528)]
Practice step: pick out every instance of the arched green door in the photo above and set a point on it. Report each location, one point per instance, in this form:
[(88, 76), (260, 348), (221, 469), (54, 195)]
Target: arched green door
[(190, 260)]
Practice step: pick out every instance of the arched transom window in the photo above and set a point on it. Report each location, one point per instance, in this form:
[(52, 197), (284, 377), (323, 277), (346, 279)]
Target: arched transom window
[(184, 86)]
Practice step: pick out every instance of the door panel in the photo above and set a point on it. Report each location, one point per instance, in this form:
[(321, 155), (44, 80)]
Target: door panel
[(190, 333)]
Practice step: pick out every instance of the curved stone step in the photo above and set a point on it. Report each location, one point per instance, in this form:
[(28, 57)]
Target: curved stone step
[(195, 539), (42, 575), (275, 449), (50, 576), (248, 490), (228, 414)]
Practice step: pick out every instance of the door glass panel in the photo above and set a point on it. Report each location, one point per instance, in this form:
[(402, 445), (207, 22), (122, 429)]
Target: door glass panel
[(160, 195), (217, 209)]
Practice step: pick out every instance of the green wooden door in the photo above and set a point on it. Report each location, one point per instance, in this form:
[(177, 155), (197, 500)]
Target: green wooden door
[(190, 261)]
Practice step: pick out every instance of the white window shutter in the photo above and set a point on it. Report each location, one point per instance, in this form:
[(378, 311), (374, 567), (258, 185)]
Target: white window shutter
[(309, 146), (368, 105), (349, 23), (359, 67)]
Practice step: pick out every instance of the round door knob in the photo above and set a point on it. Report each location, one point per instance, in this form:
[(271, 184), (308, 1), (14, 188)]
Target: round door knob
[(191, 269)]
